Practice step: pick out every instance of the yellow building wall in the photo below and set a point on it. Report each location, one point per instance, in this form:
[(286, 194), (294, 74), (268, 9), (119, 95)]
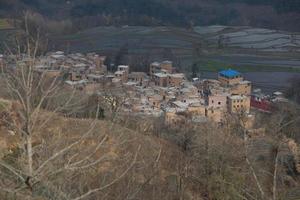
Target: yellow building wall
[(242, 105), (152, 70), (197, 110), (174, 120), (161, 81), (175, 82), (241, 89), (215, 115), (167, 66)]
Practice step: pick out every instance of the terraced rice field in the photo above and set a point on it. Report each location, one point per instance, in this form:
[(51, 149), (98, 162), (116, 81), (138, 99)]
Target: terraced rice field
[(5, 35), (243, 50), (6, 30), (138, 39), (252, 38)]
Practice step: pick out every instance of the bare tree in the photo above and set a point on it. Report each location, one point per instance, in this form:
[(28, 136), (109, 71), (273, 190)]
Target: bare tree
[(267, 175), (113, 100), (51, 160)]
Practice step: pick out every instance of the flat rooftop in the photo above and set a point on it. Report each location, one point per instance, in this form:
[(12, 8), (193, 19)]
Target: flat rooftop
[(237, 97), (155, 64), (95, 76), (178, 75), (123, 66), (229, 73), (119, 72), (166, 62), (180, 104), (161, 75)]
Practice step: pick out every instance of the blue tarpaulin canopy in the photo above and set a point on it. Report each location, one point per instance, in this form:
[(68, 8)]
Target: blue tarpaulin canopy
[(229, 73)]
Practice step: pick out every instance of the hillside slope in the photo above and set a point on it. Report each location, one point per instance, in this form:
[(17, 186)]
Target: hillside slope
[(207, 161), (150, 163)]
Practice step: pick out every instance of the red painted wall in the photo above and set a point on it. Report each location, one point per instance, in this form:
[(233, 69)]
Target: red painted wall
[(261, 104)]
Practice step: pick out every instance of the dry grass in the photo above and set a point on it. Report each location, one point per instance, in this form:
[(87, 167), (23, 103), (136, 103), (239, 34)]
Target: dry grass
[(156, 159)]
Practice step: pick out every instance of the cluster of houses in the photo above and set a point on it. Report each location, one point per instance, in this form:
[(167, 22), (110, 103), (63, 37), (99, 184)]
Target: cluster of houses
[(161, 91)]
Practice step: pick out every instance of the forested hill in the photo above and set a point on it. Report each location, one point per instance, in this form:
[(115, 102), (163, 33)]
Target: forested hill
[(275, 14)]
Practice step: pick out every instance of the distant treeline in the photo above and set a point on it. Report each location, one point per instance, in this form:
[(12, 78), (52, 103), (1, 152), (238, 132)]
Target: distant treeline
[(128, 8), (281, 6), (90, 13)]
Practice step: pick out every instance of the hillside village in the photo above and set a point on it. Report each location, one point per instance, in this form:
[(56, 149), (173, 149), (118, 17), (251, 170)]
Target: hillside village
[(161, 91), (149, 99)]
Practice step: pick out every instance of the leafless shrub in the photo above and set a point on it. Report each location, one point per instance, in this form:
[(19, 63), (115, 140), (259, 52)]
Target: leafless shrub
[(56, 157)]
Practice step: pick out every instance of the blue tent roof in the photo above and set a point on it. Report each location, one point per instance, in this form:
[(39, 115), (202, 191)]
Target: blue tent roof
[(229, 73)]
